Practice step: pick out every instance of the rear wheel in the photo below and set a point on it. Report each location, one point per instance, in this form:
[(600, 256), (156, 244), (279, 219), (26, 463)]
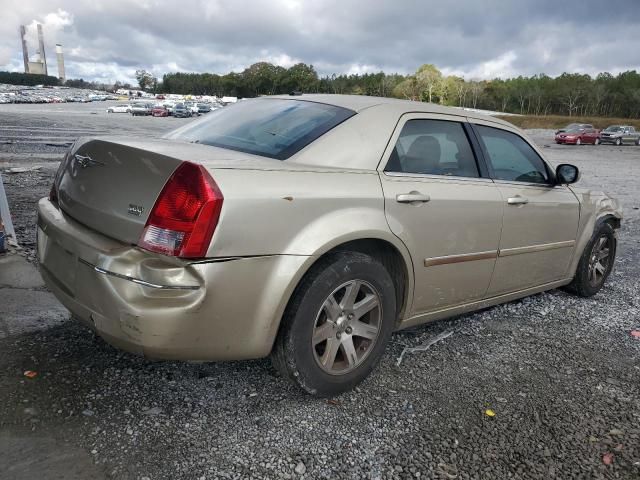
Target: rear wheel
[(578, 142), (337, 324), (638, 141), (595, 263), (596, 141)]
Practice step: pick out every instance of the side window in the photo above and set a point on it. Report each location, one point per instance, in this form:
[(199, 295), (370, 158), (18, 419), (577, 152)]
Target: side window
[(511, 157), (433, 147)]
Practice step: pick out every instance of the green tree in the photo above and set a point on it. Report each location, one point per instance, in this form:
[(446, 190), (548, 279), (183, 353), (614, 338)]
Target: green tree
[(145, 79)]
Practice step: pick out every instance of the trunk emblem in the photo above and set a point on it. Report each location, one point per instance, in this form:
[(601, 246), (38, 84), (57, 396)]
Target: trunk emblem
[(85, 162), (135, 210)]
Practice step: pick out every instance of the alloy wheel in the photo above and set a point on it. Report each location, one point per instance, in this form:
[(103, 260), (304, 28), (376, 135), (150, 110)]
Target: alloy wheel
[(346, 327), (599, 261)]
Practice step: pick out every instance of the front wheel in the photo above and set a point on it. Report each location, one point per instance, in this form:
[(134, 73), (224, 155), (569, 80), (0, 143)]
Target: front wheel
[(578, 142), (596, 141), (596, 262), (618, 142), (337, 324)]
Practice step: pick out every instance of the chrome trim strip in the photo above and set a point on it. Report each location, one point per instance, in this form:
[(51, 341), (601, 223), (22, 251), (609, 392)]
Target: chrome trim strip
[(138, 281), (506, 252), (423, 176), (524, 184), (466, 257)]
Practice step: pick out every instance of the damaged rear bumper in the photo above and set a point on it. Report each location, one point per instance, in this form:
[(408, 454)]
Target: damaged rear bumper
[(159, 306)]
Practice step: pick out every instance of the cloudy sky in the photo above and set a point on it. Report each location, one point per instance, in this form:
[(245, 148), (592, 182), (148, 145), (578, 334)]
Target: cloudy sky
[(107, 40)]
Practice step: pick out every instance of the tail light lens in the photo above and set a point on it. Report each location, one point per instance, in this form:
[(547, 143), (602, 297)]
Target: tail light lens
[(185, 214)]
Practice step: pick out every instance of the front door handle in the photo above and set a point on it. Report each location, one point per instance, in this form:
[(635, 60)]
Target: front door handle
[(517, 200), (412, 197)]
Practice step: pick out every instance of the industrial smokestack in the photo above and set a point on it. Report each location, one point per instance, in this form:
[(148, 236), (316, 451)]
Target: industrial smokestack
[(25, 52), (43, 57), (60, 62)]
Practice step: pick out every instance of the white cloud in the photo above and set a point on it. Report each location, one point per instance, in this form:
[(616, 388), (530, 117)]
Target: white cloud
[(501, 66)]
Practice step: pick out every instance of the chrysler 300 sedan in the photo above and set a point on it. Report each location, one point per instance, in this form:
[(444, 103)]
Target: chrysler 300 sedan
[(309, 228)]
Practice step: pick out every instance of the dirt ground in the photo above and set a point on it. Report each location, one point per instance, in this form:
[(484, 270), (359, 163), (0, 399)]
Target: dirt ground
[(561, 373)]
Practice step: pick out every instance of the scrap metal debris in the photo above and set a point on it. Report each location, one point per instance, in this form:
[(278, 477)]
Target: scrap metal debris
[(22, 169), (425, 346)]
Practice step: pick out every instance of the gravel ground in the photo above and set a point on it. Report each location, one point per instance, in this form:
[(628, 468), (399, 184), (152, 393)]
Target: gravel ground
[(561, 373)]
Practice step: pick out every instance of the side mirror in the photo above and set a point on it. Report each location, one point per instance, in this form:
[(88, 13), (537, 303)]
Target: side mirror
[(566, 174)]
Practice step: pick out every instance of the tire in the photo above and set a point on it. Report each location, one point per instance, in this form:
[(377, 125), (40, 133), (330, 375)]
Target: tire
[(109, 111), (578, 142), (320, 308), (588, 279), (638, 141), (596, 141), (618, 142)]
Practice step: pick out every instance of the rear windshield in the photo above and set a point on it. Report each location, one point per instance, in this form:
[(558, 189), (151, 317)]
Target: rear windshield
[(270, 127)]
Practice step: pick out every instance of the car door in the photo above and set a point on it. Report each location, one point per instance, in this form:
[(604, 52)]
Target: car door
[(440, 205), (629, 135), (540, 220), (589, 136)]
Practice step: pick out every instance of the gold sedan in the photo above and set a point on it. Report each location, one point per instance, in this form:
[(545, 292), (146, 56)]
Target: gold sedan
[(311, 227)]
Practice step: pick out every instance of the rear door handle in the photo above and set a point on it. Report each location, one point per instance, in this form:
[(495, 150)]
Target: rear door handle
[(517, 200), (412, 197)]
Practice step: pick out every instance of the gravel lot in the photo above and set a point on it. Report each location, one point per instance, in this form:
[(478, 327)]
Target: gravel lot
[(561, 373)]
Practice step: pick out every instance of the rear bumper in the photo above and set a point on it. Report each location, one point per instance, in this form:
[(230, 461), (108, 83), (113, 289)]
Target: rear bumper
[(159, 306)]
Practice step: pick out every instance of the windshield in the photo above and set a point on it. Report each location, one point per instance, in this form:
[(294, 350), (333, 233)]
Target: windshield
[(614, 128), (274, 128)]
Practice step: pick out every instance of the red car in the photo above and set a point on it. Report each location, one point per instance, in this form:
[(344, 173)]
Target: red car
[(579, 136), (159, 111)]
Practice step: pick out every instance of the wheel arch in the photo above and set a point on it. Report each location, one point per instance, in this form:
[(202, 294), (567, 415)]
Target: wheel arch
[(389, 251)]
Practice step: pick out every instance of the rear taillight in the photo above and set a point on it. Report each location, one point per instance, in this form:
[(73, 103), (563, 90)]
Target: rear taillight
[(185, 214)]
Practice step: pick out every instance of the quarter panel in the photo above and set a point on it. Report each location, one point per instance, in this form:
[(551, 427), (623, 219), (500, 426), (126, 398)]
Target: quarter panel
[(293, 212)]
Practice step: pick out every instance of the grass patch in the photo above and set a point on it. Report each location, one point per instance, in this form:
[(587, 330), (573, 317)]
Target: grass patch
[(554, 122)]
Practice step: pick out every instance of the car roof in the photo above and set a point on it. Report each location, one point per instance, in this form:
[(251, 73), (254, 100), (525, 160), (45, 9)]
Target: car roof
[(358, 103)]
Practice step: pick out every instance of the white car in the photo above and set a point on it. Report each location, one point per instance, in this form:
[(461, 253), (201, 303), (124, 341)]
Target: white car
[(119, 109), (193, 107)]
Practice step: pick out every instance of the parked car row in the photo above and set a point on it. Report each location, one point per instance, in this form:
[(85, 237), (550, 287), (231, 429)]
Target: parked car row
[(584, 133), (180, 110)]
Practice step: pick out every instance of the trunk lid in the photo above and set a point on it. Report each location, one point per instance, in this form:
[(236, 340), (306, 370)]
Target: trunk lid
[(111, 184)]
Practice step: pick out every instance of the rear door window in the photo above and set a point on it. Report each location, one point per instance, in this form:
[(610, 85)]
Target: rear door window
[(511, 158), (433, 147)]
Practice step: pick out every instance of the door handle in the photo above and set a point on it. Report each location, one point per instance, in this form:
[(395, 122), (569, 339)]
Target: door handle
[(517, 200), (412, 197)]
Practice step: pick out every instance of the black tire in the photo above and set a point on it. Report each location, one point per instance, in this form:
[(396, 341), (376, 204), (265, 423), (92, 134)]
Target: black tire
[(294, 355), (583, 284), (618, 142)]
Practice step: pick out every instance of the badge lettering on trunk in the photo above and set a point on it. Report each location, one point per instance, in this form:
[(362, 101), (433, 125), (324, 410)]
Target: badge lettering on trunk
[(135, 210)]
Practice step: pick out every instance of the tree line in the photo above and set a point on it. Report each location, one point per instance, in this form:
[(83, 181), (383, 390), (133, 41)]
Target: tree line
[(569, 94), (30, 79)]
